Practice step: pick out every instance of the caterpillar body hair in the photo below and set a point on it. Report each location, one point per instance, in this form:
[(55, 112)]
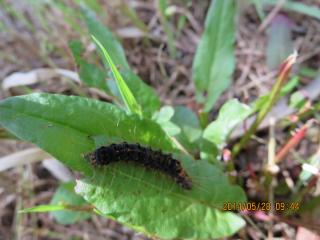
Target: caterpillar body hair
[(145, 156)]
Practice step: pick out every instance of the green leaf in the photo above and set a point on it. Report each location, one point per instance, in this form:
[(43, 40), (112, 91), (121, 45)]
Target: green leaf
[(214, 61), (157, 206), (164, 115), (65, 195), (68, 127), (126, 94), (144, 95), (163, 118), (188, 121), (90, 74), (290, 85), (297, 100), (170, 128), (77, 49), (43, 208), (93, 76), (209, 152), (232, 113), (65, 126)]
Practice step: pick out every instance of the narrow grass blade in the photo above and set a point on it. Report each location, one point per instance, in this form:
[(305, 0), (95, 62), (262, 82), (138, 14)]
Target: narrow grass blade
[(126, 94), (43, 208)]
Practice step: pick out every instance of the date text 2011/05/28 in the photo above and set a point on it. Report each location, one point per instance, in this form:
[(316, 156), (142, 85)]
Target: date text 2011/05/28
[(260, 206)]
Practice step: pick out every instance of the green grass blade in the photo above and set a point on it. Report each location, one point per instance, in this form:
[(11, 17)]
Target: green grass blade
[(144, 94), (44, 208), (167, 28), (126, 94)]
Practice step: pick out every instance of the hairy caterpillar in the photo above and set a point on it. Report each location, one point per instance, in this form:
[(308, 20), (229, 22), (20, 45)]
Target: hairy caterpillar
[(153, 159)]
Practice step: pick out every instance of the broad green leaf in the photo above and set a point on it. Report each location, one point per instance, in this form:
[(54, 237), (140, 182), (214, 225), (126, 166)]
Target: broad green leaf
[(170, 128), (214, 61), (90, 74), (188, 121), (68, 127), (43, 208), (65, 195), (154, 204), (165, 114), (163, 118), (126, 94), (209, 151), (279, 45), (65, 126), (232, 113), (144, 95)]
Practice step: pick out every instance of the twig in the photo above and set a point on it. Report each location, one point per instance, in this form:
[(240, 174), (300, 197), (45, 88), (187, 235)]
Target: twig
[(18, 217), (294, 141)]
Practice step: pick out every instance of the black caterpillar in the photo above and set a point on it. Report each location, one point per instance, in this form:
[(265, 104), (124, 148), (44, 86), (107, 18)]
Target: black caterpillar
[(147, 157)]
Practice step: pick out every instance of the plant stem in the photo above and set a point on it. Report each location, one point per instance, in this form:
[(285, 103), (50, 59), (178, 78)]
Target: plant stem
[(284, 71), (270, 169), (282, 77)]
